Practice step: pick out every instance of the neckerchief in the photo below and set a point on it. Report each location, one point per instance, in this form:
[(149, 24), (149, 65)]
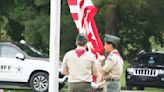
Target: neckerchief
[(79, 52)]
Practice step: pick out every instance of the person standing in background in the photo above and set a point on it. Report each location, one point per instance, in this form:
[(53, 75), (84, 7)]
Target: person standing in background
[(80, 66), (113, 68)]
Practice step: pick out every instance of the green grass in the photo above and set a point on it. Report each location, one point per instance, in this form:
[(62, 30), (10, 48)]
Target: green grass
[(16, 91), (123, 83)]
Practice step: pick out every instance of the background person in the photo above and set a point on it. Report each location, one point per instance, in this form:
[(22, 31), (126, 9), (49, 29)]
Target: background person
[(113, 68), (79, 65)]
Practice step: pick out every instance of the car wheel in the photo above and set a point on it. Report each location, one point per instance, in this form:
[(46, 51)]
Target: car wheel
[(128, 87), (140, 88), (39, 82)]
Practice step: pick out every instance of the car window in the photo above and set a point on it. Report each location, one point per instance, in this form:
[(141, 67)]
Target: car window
[(31, 51), (8, 51), (149, 59), (162, 58)]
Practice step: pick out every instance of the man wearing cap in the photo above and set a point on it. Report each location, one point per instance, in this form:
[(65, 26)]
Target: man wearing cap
[(113, 67), (79, 65)]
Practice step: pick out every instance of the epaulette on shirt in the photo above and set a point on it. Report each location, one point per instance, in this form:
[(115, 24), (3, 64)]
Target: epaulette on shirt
[(116, 52)]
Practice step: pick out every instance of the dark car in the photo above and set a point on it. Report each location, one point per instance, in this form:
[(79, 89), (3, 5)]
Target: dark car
[(146, 70)]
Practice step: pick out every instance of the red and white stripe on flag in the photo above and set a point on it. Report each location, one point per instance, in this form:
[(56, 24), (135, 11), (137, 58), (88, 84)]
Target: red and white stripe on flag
[(83, 12)]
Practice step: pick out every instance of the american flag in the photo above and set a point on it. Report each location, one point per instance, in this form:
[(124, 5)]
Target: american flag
[(83, 12)]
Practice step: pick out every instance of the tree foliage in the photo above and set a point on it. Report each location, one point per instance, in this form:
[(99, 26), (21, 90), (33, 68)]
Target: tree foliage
[(29, 20), (136, 22)]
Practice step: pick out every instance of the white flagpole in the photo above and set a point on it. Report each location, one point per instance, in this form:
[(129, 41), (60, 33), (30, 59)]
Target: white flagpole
[(54, 45)]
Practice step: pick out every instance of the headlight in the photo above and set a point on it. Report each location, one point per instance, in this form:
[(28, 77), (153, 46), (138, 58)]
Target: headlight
[(130, 70), (161, 72)]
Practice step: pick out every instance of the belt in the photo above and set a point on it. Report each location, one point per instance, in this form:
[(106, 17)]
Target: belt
[(112, 79), (79, 82)]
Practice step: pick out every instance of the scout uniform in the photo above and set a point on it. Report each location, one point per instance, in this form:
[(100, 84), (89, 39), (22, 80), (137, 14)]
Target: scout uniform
[(1, 90), (113, 66), (81, 65)]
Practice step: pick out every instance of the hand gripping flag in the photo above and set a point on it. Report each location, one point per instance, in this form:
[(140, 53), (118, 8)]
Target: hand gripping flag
[(83, 12)]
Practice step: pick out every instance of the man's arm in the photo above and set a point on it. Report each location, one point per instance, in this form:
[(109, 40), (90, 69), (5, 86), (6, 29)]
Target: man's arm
[(64, 71), (101, 70)]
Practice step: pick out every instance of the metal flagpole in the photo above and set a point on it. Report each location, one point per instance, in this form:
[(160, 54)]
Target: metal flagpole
[(54, 45)]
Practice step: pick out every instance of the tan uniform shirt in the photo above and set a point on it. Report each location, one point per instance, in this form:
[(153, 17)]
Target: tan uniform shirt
[(80, 68), (113, 65)]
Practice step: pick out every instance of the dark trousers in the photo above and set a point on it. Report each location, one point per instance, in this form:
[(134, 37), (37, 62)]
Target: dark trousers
[(97, 90), (79, 87)]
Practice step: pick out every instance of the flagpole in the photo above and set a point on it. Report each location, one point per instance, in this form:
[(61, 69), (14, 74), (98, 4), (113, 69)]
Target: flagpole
[(54, 45)]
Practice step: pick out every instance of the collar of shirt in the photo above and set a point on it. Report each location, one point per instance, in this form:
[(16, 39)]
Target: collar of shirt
[(80, 47)]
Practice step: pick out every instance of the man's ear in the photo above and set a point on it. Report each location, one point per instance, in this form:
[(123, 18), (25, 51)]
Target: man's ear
[(76, 43)]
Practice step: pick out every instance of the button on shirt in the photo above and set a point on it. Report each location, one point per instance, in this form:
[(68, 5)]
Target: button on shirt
[(113, 65), (80, 68)]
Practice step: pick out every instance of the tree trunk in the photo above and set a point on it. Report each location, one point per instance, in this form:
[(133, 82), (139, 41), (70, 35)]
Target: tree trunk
[(110, 18), (0, 26)]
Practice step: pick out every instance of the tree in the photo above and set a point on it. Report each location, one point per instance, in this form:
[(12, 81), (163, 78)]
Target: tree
[(5, 6), (15, 30), (135, 21), (27, 19), (68, 29)]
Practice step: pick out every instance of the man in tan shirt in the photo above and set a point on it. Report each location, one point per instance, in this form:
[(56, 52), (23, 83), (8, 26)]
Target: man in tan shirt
[(113, 68), (80, 66)]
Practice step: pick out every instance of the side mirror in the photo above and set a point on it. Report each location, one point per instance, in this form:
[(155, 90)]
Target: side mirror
[(20, 56)]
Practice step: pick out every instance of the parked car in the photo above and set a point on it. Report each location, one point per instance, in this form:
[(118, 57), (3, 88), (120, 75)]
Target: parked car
[(22, 65), (146, 70)]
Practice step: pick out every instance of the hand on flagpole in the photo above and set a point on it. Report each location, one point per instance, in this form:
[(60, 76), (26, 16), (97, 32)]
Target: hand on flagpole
[(101, 57)]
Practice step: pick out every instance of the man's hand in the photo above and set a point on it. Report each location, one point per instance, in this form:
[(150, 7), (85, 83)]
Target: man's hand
[(64, 71), (101, 58), (94, 85)]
